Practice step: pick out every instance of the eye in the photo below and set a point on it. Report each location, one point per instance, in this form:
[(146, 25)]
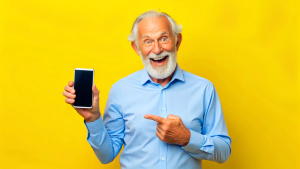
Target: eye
[(147, 42), (164, 39)]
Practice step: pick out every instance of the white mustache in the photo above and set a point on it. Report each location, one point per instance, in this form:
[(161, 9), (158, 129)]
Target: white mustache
[(159, 56)]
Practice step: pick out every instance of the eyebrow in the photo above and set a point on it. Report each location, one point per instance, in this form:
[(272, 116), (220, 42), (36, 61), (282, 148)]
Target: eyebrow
[(159, 34)]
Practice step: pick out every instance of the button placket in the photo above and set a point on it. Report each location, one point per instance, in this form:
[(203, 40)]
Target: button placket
[(164, 146)]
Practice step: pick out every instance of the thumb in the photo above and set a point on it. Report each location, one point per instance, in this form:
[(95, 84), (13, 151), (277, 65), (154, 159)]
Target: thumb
[(171, 116), (96, 95), (95, 90)]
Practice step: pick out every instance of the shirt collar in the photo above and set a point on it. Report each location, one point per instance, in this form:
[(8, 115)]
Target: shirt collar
[(177, 75)]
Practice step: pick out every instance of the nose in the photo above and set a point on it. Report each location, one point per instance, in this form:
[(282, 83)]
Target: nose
[(157, 48)]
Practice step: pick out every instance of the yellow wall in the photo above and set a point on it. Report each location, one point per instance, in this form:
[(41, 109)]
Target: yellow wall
[(248, 49)]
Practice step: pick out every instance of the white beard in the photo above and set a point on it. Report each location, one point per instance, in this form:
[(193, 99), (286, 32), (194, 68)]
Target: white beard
[(160, 72)]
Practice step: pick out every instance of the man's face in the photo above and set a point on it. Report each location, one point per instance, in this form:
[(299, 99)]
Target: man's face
[(157, 46)]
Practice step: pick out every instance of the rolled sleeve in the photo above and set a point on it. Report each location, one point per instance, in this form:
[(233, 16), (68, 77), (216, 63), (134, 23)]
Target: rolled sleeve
[(199, 142), (195, 142), (94, 127)]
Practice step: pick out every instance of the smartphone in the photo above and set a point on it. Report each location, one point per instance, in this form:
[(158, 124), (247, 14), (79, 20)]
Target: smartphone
[(83, 82)]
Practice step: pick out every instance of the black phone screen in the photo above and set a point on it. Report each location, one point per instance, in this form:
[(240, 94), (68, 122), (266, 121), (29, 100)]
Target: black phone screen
[(83, 82)]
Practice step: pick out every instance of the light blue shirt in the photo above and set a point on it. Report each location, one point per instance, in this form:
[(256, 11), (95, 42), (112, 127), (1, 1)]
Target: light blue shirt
[(192, 98)]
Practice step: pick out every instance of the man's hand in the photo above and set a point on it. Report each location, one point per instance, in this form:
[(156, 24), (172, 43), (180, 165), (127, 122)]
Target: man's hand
[(89, 115), (171, 130)]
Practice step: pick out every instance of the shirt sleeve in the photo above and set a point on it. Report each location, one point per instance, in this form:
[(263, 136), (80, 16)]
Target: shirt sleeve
[(106, 137), (213, 143)]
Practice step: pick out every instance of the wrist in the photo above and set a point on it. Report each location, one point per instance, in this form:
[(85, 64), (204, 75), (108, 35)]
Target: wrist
[(93, 117), (187, 138)]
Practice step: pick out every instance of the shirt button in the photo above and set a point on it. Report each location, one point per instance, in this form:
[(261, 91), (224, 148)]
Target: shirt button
[(162, 109), (163, 158)]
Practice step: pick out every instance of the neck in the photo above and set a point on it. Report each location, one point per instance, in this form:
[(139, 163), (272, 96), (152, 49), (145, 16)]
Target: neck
[(163, 82)]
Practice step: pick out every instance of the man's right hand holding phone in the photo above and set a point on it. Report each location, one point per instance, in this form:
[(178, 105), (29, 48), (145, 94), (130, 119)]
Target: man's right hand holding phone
[(89, 115)]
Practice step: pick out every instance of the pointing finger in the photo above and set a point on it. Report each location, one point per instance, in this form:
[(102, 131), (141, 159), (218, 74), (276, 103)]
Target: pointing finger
[(155, 118)]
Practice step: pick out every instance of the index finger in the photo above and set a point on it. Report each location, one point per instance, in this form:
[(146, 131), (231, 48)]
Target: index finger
[(155, 118), (71, 83)]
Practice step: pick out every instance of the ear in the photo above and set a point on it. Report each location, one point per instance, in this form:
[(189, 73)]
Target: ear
[(135, 48), (179, 39)]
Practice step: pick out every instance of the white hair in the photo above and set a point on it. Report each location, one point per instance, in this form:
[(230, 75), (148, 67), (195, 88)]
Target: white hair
[(152, 13)]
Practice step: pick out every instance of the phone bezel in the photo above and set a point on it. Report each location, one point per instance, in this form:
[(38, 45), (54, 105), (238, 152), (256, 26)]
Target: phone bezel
[(84, 69)]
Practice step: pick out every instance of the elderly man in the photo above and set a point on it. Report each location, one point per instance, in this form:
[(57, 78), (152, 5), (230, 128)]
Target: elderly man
[(164, 116)]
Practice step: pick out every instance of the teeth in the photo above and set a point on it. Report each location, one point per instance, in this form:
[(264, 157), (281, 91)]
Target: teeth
[(159, 58)]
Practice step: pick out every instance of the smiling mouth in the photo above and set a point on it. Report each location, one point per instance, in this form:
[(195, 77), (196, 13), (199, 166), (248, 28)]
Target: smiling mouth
[(160, 59)]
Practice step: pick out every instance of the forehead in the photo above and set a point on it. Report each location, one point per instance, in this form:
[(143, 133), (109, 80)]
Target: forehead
[(154, 25)]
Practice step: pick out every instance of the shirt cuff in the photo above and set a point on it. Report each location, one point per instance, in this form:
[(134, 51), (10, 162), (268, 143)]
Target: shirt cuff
[(195, 142), (94, 127)]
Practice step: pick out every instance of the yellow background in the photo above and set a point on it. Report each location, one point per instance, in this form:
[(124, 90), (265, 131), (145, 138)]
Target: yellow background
[(248, 49)]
